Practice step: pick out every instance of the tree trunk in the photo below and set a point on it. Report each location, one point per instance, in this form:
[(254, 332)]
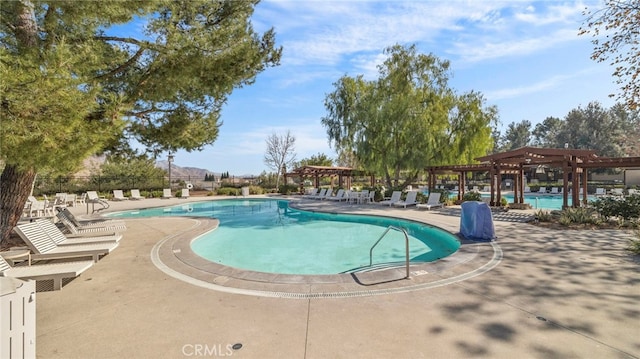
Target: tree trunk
[(15, 187)]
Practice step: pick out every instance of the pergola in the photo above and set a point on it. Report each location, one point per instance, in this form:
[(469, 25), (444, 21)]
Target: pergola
[(574, 164), (344, 174)]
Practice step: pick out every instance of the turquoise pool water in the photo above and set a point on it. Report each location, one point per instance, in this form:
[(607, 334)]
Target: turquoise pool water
[(543, 201), (268, 236)]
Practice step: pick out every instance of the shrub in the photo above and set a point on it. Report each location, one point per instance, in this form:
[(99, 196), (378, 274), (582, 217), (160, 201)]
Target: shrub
[(228, 191), (579, 216), (543, 216), (627, 208), (471, 196), (287, 189)]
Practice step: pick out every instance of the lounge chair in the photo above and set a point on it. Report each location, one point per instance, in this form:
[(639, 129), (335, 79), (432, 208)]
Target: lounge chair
[(410, 200), (617, 192), (542, 190), (166, 193), (44, 248), (185, 193), (338, 197), (486, 189), (135, 194), (86, 224), (432, 202), (372, 197), (60, 239), (77, 231), (555, 190), (527, 189), (632, 191), (320, 194), (395, 197), (118, 195), (600, 192), (311, 193), (328, 194), (53, 271)]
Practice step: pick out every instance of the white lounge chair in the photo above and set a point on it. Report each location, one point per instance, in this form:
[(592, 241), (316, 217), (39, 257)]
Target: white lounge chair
[(632, 191), (311, 193), (600, 192), (135, 194), (91, 230), (60, 239), (53, 271), (410, 200), (432, 202), (617, 192), (320, 194), (527, 189), (338, 197), (395, 197), (328, 194), (44, 248), (185, 193), (166, 193), (372, 197), (555, 190), (118, 195), (542, 189)]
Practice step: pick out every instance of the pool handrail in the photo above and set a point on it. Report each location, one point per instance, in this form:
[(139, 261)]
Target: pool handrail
[(406, 242)]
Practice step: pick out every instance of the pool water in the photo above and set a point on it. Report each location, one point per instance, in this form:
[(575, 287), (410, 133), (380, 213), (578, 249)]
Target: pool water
[(543, 201), (269, 236)]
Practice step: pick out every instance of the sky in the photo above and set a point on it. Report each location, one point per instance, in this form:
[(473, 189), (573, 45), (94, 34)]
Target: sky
[(526, 58)]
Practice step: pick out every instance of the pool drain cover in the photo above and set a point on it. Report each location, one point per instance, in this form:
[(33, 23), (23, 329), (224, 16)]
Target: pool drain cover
[(236, 346)]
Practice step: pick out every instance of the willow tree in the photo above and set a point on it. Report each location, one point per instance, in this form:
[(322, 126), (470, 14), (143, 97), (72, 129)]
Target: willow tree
[(407, 119), (74, 82)]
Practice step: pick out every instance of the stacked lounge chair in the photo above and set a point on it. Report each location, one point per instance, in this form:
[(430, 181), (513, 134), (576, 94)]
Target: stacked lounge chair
[(43, 247), (52, 271)]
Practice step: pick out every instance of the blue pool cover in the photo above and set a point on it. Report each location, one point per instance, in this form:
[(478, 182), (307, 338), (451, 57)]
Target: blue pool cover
[(476, 221)]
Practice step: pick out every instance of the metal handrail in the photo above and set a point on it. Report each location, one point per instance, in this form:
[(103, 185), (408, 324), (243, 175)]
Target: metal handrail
[(406, 241)]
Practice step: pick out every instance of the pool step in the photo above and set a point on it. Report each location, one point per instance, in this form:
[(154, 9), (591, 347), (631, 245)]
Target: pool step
[(376, 267)]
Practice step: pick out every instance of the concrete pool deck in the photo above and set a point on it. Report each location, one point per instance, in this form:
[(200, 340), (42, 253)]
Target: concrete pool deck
[(554, 294)]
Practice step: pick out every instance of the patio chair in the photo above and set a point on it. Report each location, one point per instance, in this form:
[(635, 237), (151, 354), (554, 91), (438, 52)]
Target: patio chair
[(60, 239), (166, 193), (44, 248), (410, 200), (53, 271), (328, 194), (185, 193), (542, 189), (617, 192), (632, 191), (118, 195), (135, 194), (600, 192), (395, 197), (555, 190), (527, 189), (432, 202)]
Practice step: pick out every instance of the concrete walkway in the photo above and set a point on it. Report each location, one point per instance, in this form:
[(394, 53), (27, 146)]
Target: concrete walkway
[(554, 294)]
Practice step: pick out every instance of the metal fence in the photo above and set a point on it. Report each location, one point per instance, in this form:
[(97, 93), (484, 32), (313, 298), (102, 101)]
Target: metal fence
[(80, 184)]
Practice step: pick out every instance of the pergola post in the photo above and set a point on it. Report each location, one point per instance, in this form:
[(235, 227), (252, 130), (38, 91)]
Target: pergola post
[(498, 183), (565, 185), (576, 179)]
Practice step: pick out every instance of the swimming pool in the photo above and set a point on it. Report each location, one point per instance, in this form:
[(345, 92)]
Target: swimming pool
[(269, 236), (542, 201)]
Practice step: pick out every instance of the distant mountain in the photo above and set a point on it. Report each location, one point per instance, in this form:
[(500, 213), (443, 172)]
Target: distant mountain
[(178, 171)]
